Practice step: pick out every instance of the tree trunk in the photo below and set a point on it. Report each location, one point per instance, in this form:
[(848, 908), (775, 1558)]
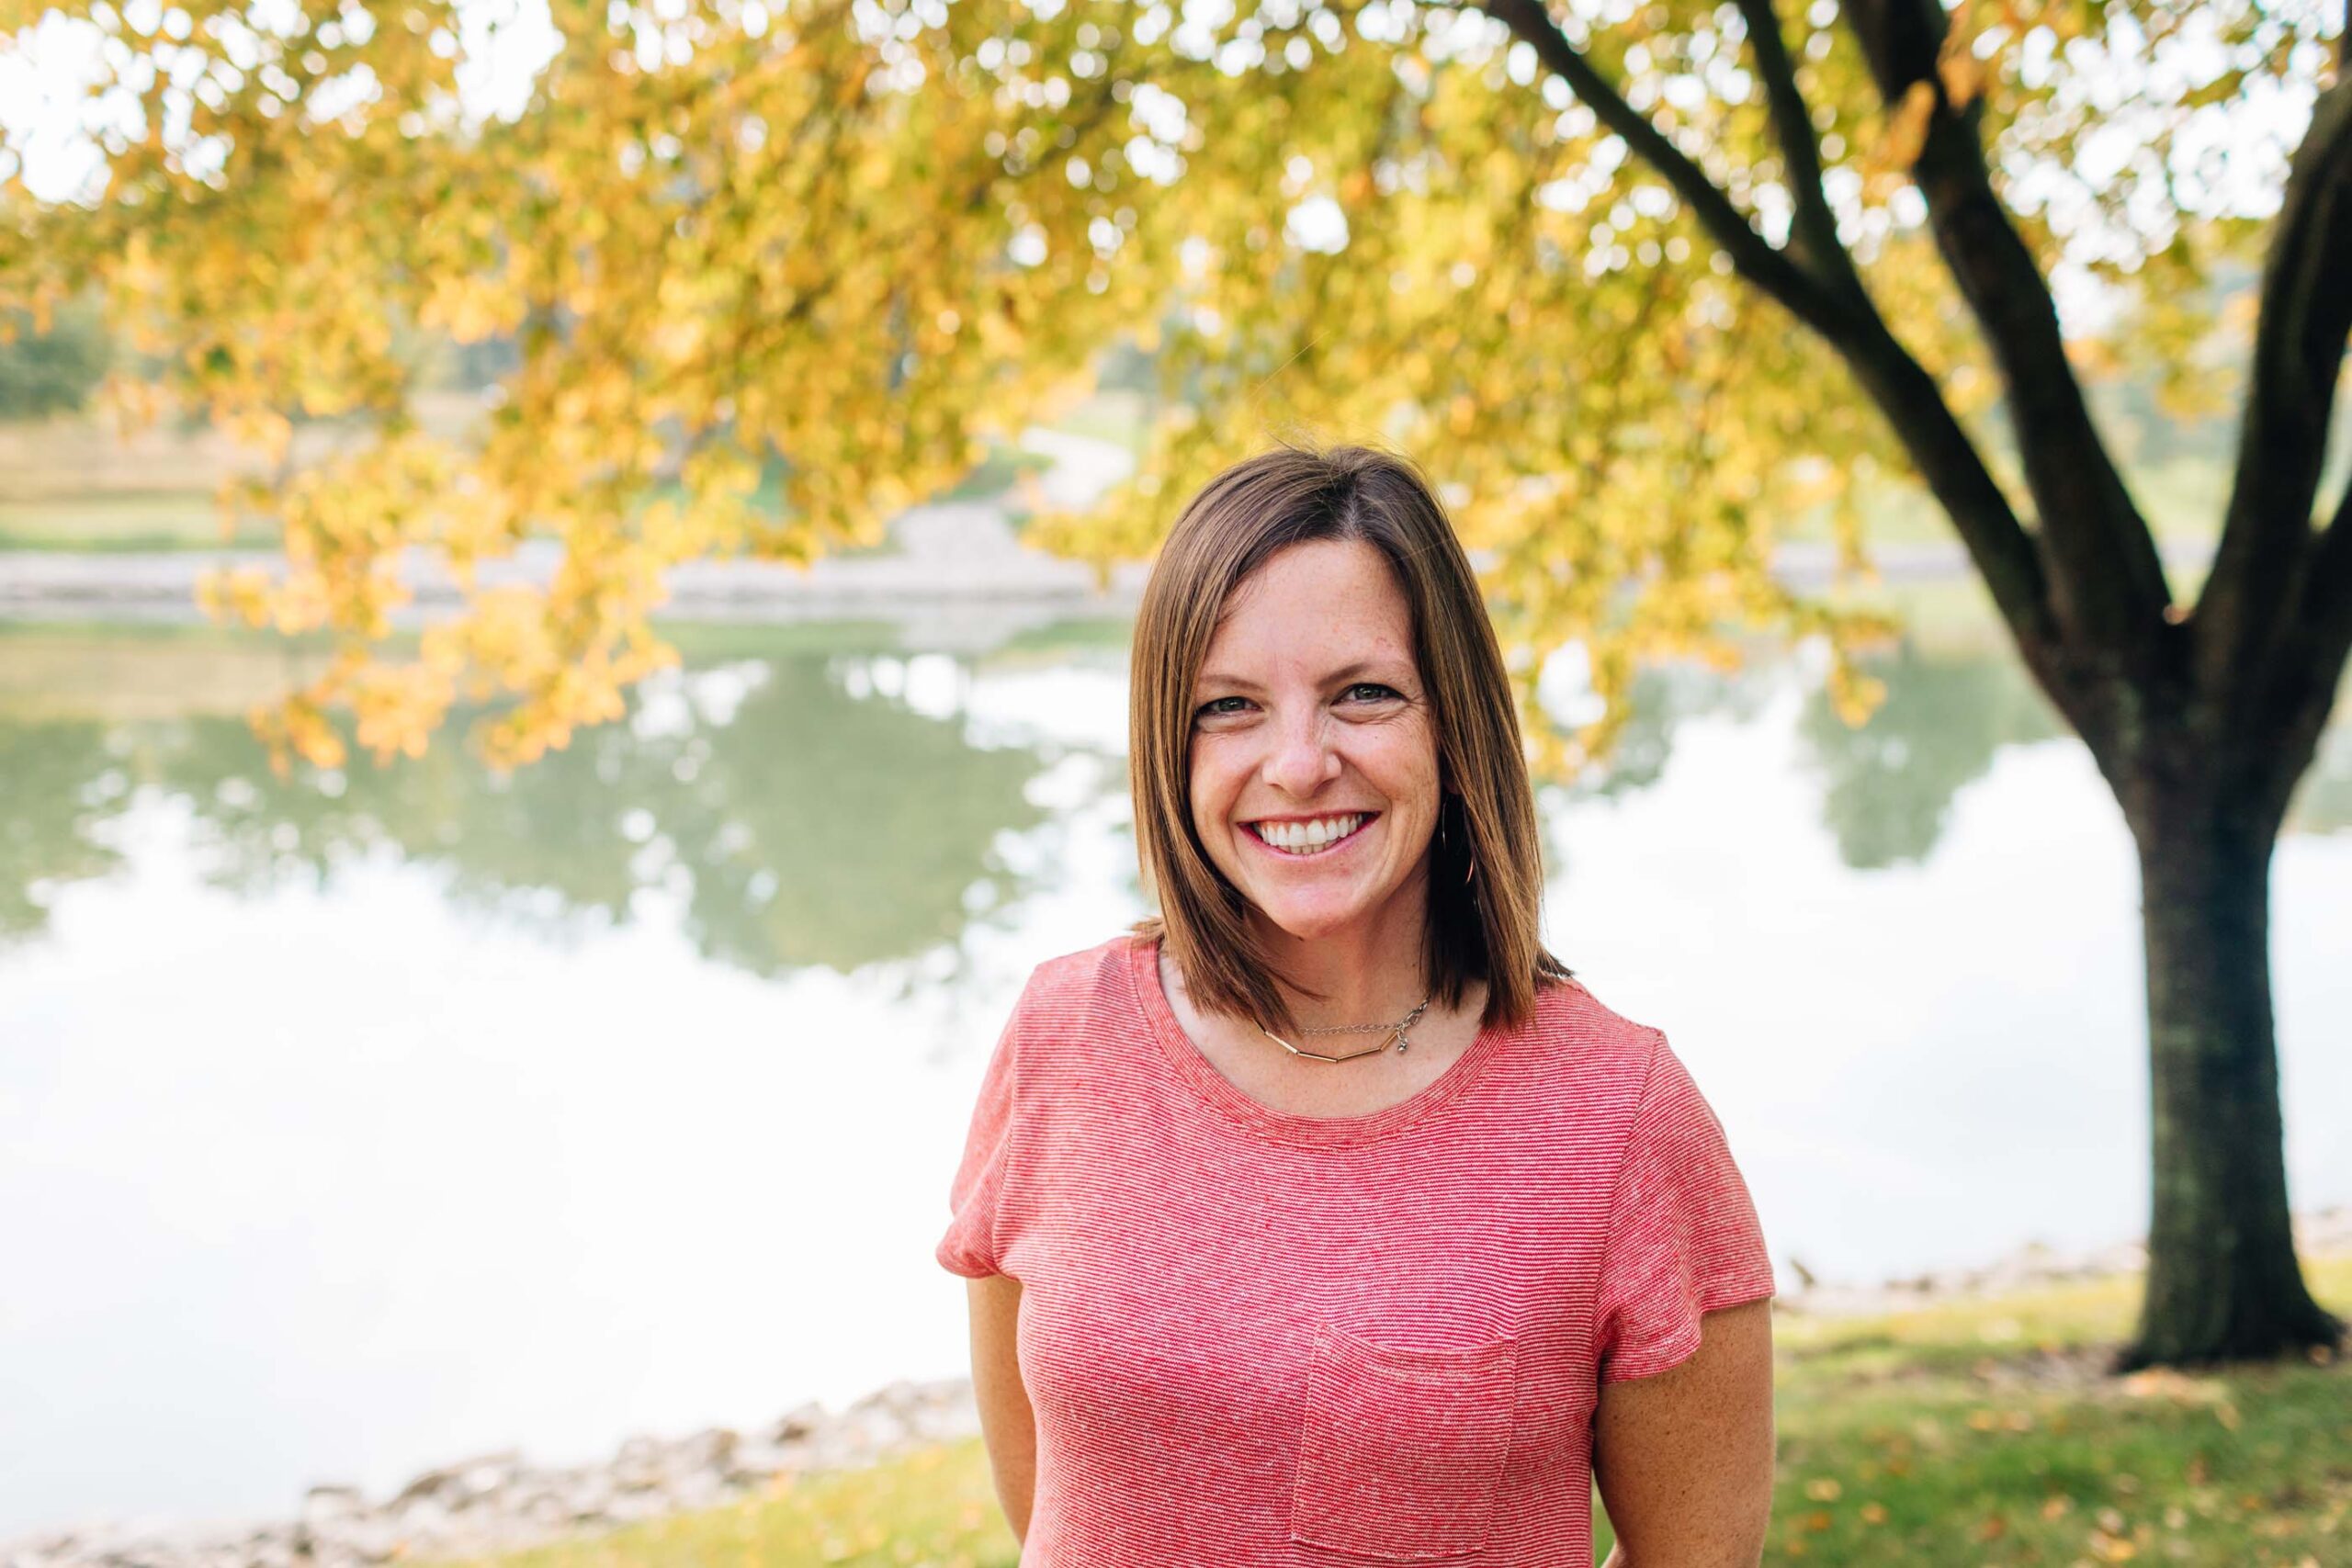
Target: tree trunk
[(2222, 1283)]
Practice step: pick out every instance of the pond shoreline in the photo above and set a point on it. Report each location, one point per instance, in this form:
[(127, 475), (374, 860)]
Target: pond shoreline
[(954, 554), (498, 1502)]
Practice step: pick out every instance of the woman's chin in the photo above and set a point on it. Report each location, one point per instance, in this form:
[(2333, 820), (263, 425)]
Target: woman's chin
[(1314, 920)]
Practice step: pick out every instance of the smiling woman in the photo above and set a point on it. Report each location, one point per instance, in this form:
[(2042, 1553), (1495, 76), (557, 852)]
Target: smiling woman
[(1234, 1304)]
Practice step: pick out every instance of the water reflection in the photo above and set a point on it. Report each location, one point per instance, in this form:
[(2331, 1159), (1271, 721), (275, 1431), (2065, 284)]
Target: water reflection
[(61, 783), (828, 808), (839, 806), (1887, 786)]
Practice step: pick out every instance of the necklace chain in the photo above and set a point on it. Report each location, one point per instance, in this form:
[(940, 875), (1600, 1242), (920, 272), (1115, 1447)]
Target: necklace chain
[(1406, 1021), (1394, 1030)]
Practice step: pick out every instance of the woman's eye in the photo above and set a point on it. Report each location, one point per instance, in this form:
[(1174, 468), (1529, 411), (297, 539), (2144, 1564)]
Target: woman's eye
[(1370, 691), (1216, 707)]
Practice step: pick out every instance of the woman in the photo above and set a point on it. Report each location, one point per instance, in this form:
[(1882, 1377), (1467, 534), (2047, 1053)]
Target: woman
[(1326, 1218)]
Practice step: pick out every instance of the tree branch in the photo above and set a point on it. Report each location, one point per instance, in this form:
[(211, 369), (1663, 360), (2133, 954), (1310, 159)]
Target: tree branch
[(1751, 255), (1914, 405), (2288, 713), (1996, 542), (1815, 226), (2325, 611), (2107, 577), (2299, 337)]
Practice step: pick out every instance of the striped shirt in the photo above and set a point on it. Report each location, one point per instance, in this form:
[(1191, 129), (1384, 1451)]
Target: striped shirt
[(1256, 1339)]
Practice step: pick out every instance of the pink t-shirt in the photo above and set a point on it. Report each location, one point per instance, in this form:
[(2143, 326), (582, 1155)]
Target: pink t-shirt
[(1254, 1339)]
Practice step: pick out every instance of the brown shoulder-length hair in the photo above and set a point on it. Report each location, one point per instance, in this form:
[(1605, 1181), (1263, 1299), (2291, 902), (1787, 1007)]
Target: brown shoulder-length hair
[(1481, 926)]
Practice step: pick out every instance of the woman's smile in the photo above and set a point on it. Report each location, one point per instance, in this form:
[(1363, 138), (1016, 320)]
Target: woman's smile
[(1309, 838)]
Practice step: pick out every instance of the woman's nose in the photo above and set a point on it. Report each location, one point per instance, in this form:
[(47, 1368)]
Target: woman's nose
[(1302, 760)]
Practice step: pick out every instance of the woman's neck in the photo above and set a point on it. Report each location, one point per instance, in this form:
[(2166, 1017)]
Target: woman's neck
[(1369, 973)]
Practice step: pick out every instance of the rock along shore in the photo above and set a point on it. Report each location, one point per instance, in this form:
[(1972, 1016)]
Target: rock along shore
[(498, 1502)]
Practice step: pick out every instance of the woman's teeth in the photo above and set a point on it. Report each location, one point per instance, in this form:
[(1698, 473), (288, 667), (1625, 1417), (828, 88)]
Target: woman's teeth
[(1306, 838)]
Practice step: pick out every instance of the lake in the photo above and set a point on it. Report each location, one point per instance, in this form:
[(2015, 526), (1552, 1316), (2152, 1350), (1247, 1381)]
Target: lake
[(357, 1122)]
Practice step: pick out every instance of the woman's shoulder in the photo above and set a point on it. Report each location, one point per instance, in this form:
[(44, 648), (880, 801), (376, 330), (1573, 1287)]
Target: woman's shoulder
[(1574, 1031), (1087, 986)]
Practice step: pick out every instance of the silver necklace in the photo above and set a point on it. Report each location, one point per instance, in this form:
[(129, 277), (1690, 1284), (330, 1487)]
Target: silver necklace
[(1396, 1030)]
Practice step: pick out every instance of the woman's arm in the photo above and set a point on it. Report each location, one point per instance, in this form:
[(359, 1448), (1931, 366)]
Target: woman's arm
[(1684, 1459), (1007, 1423)]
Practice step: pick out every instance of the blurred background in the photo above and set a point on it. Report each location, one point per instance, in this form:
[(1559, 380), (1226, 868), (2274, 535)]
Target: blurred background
[(533, 1049)]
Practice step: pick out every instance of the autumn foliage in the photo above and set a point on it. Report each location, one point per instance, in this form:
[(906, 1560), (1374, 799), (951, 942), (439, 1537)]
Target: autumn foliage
[(857, 242)]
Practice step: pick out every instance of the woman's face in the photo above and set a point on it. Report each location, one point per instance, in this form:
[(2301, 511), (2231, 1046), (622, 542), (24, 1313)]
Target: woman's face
[(1314, 755)]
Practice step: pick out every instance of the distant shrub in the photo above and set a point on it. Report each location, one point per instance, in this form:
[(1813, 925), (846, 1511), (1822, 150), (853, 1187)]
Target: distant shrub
[(52, 372)]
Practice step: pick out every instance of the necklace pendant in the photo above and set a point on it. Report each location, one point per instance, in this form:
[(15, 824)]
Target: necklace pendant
[(1401, 1042)]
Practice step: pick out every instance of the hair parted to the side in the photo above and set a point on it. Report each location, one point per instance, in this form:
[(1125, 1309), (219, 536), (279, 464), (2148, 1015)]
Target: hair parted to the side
[(1485, 929)]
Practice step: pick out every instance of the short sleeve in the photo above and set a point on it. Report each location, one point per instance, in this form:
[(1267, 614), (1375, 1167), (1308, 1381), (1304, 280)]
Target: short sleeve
[(1683, 1237), (971, 1246)]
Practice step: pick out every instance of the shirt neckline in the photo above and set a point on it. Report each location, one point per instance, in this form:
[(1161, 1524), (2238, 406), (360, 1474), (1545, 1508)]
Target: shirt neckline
[(1223, 1095)]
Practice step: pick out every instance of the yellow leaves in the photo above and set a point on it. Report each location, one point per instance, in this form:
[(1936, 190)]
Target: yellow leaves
[(2186, 1391), (297, 727), (470, 308), (1961, 73), (1957, 65), (713, 301), (2223, 87), (679, 338), (1986, 1420), (398, 707), (136, 404), (587, 691), (1906, 135), (242, 594), (1854, 697), (720, 468), (2107, 1546), (505, 638), (263, 428)]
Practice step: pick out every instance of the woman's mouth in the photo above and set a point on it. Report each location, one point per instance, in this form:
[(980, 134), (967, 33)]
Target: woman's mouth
[(1300, 839)]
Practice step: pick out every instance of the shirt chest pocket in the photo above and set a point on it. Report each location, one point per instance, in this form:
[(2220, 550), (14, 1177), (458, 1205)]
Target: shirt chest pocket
[(1402, 1449)]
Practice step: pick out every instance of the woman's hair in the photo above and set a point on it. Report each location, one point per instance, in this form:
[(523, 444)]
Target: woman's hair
[(1484, 928)]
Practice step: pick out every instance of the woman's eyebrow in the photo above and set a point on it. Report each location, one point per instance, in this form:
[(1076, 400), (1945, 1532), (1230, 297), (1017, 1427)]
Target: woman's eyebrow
[(1380, 667), (1345, 672)]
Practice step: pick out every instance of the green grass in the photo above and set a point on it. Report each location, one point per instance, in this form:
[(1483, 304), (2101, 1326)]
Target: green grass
[(124, 521), (1978, 1433), (1987, 1432), (932, 1506)]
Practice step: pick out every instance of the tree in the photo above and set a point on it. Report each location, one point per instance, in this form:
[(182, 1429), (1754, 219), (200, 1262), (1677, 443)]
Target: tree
[(1637, 280)]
